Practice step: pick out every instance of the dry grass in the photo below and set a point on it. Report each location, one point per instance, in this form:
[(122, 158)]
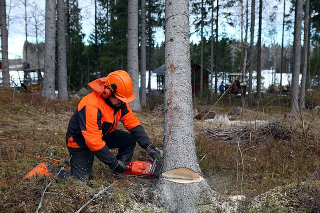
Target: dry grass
[(37, 126)]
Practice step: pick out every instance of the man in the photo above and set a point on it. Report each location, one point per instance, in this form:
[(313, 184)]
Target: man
[(92, 128), (221, 87)]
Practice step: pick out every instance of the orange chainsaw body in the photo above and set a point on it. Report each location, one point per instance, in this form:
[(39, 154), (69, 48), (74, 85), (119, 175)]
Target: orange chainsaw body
[(138, 168)]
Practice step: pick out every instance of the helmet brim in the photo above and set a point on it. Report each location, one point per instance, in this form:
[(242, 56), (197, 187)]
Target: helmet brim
[(124, 99)]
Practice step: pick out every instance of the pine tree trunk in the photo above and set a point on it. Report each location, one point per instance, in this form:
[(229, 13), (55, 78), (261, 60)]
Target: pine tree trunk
[(252, 52), (201, 52), (297, 58), (132, 57), (282, 39), (259, 67), (179, 144), (211, 53), (4, 44), (305, 55), (143, 54), (216, 70), (48, 89), (62, 60)]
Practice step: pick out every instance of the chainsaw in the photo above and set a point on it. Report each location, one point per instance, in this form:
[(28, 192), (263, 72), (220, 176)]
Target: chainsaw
[(144, 169)]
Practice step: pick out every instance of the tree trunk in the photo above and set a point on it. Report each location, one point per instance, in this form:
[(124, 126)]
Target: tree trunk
[(179, 144), (282, 39), (143, 54), (26, 34), (62, 57), (132, 57), (252, 52), (259, 54), (48, 89), (216, 61), (305, 54), (211, 54), (201, 51), (4, 44), (297, 58)]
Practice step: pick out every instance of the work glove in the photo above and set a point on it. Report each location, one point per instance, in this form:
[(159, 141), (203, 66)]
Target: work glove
[(154, 152), (120, 168)]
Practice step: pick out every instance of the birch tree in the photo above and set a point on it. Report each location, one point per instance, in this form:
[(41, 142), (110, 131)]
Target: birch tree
[(132, 56), (4, 44), (297, 58), (48, 89), (62, 56), (143, 54)]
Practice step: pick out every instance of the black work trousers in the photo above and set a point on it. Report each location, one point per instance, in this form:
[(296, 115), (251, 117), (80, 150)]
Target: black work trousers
[(81, 159)]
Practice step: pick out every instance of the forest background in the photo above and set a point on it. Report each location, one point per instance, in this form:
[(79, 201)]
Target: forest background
[(97, 36)]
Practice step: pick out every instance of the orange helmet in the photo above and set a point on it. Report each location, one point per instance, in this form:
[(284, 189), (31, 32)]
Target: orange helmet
[(121, 85)]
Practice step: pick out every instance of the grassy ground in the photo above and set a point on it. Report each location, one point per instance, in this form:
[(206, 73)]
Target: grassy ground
[(32, 125)]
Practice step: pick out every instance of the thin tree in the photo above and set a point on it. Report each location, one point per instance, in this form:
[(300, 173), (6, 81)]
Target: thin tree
[(252, 52), (305, 54), (211, 49), (282, 39), (4, 44), (26, 33), (62, 55), (143, 54), (296, 58), (216, 61), (48, 89), (259, 54), (202, 44), (132, 56), (36, 23)]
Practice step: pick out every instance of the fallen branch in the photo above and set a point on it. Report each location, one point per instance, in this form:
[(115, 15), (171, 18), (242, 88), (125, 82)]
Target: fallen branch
[(95, 196), (45, 189)]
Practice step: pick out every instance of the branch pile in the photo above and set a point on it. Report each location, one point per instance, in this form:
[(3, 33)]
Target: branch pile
[(275, 130)]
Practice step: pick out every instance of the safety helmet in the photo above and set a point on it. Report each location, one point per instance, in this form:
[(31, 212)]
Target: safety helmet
[(120, 84)]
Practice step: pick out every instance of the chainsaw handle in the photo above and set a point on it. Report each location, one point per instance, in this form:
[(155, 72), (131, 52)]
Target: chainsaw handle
[(153, 166)]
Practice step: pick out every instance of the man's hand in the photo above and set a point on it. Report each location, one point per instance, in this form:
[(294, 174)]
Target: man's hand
[(154, 152), (120, 168)]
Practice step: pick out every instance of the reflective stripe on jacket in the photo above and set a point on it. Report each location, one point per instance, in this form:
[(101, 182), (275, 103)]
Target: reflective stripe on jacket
[(96, 117)]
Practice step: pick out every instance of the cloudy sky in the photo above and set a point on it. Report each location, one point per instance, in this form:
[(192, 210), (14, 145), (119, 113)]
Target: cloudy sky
[(36, 8)]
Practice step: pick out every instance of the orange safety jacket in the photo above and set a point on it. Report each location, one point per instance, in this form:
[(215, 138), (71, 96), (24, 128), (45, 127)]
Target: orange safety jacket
[(96, 117)]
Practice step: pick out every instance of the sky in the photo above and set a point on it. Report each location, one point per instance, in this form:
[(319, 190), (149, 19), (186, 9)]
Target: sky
[(15, 11)]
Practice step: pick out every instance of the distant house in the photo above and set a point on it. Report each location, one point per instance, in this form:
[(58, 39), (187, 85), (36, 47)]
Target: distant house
[(195, 78)]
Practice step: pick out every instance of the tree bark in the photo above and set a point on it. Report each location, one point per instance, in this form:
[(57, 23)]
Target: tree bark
[(48, 90), (297, 59), (132, 57), (211, 49), (305, 55), (62, 56), (252, 52), (201, 51), (282, 39), (216, 61), (179, 142), (4, 44), (259, 54), (143, 54)]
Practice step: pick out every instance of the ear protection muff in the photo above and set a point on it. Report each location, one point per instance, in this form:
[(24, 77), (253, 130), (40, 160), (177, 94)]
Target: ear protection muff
[(109, 90)]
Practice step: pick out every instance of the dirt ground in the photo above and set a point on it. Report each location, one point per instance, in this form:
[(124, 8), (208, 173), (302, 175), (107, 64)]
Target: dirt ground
[(277, 170)]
